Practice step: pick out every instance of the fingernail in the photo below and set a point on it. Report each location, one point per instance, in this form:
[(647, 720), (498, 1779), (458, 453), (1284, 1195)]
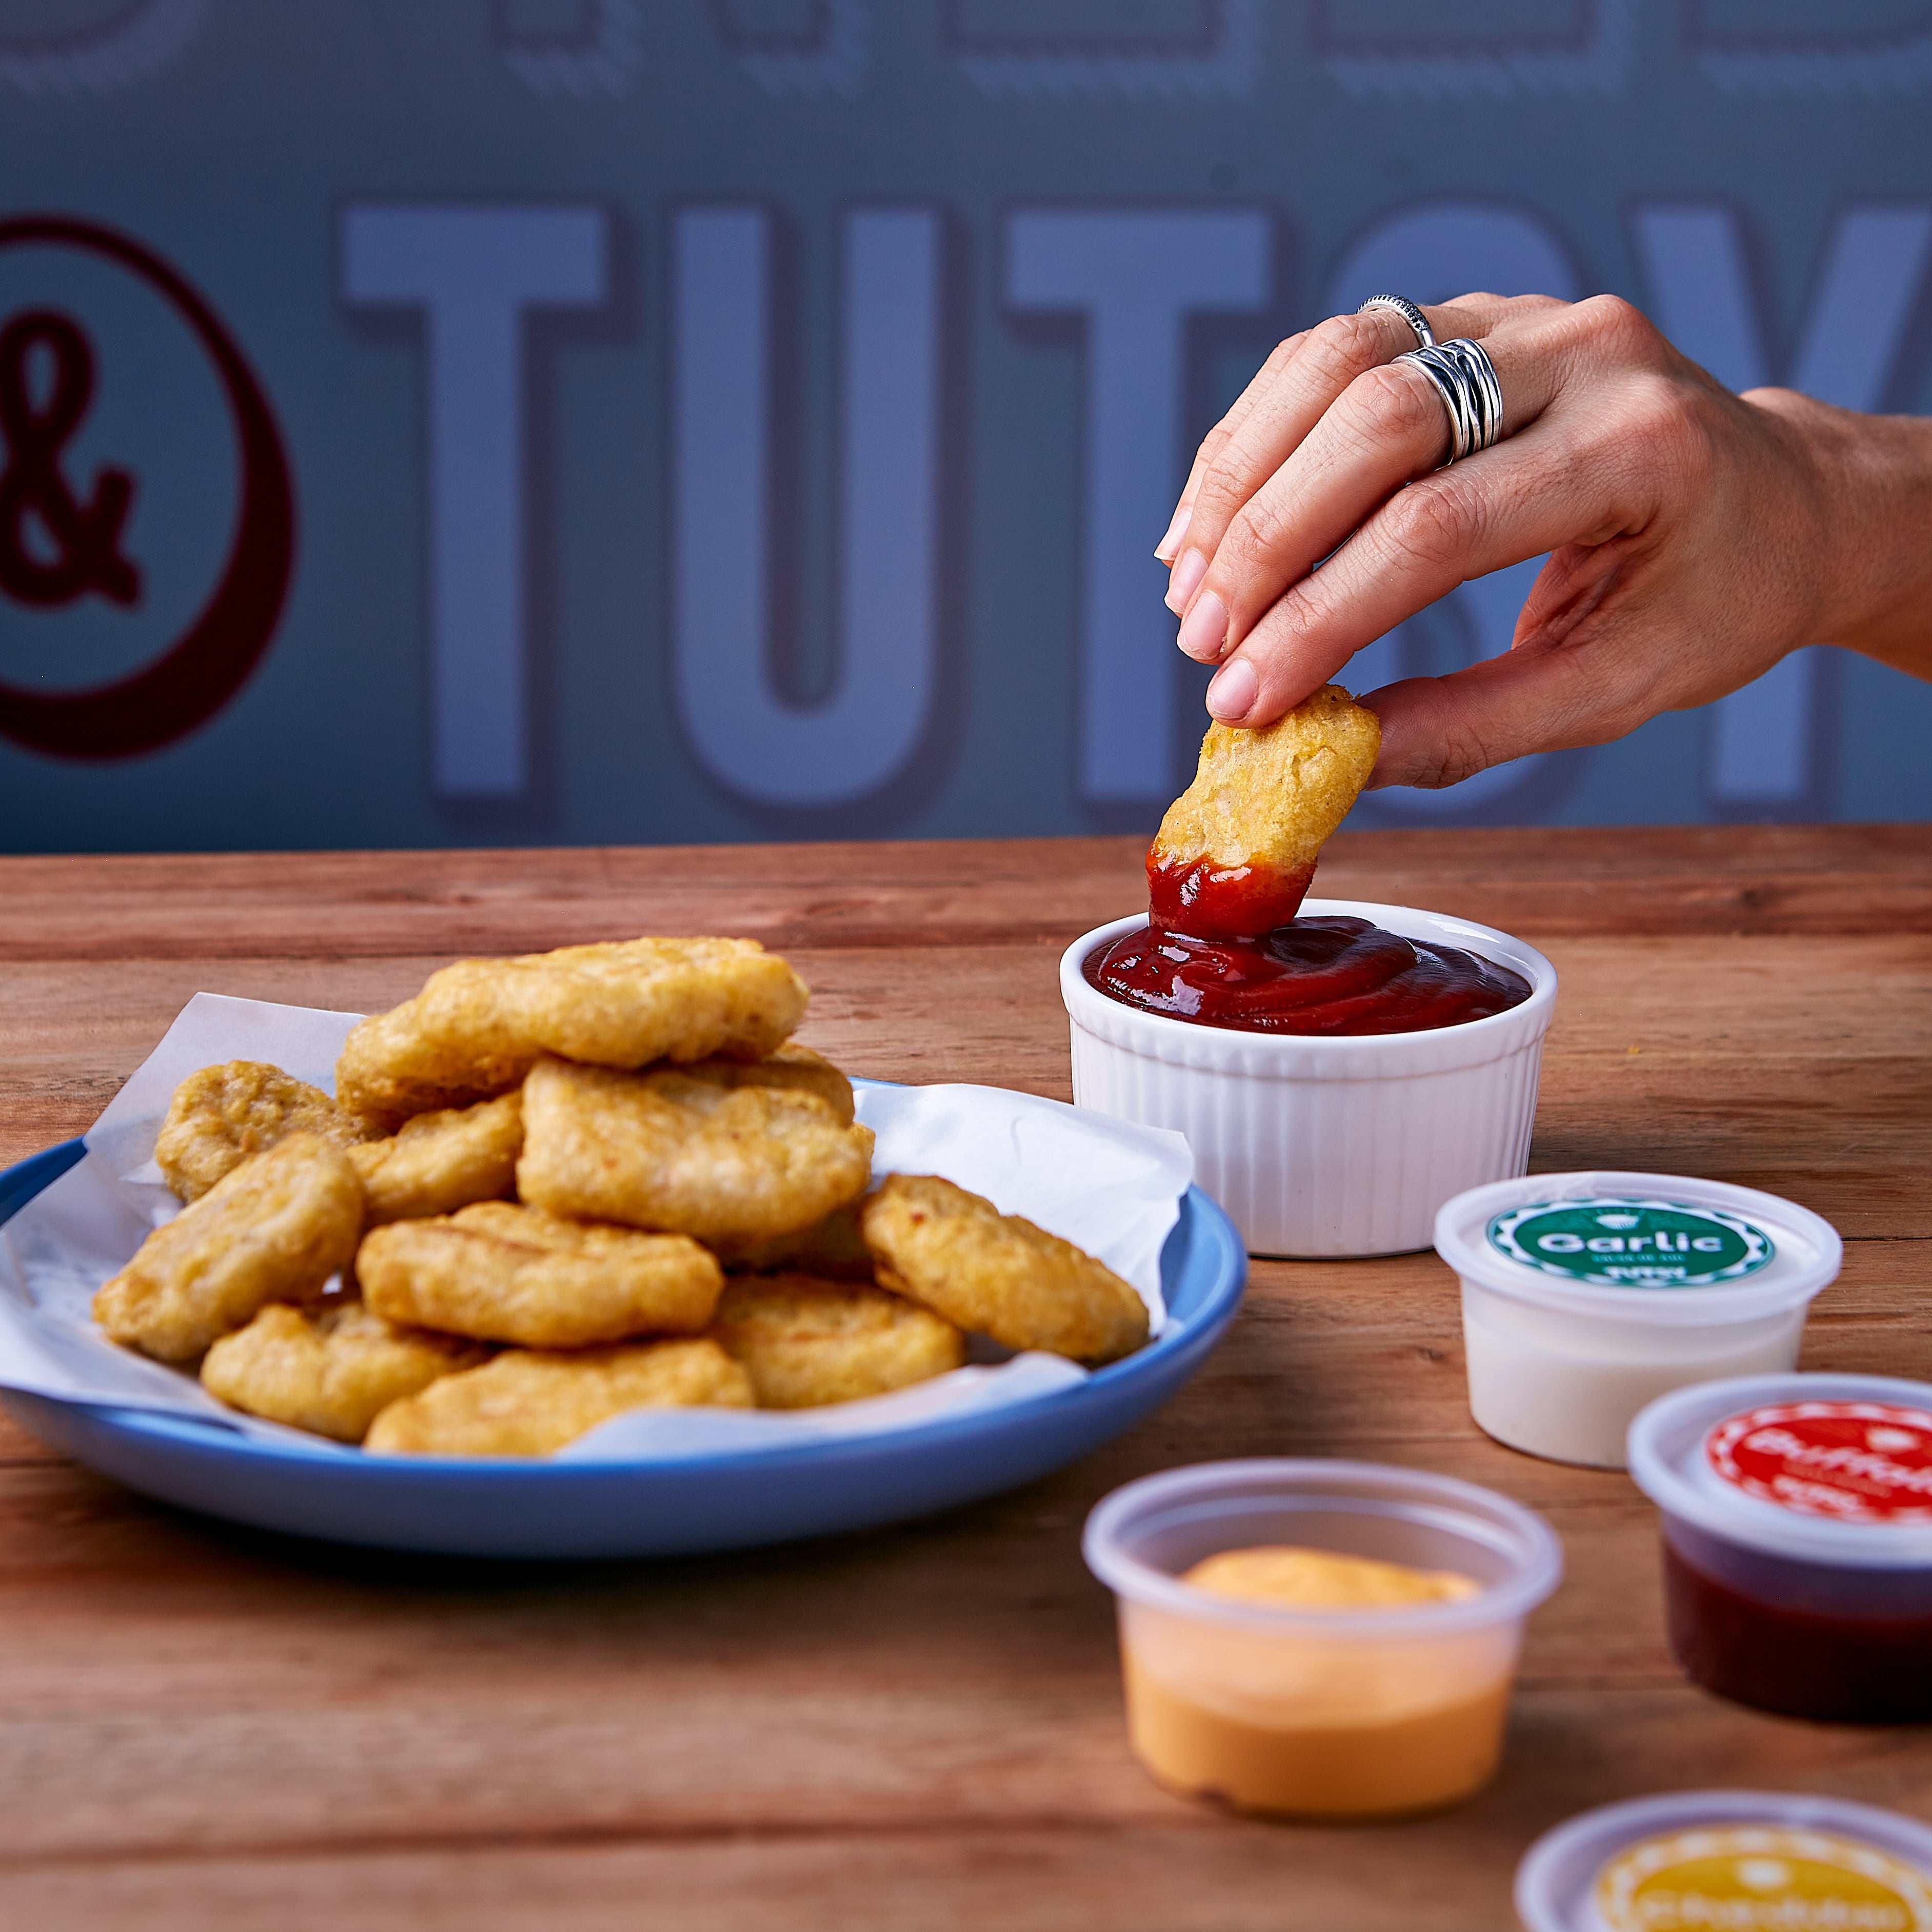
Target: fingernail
[(1232, 696), (1204, 629), (1186, 580), (1176, 530)]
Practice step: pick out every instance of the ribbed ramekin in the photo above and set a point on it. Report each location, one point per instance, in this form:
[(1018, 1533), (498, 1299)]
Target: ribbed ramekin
[(1319, 1146)]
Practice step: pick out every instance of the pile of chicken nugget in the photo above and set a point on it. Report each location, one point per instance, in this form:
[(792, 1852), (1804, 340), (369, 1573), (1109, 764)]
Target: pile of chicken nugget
[(554, 1189)]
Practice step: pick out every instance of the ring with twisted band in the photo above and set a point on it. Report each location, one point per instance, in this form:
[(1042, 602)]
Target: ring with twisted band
[(1463, 376)]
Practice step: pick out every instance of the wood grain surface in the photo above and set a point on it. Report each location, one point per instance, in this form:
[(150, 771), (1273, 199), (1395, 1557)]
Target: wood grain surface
[(206, 1730)]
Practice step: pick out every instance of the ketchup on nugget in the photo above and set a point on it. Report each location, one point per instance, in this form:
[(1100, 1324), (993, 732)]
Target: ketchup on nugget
[(1227, 874)]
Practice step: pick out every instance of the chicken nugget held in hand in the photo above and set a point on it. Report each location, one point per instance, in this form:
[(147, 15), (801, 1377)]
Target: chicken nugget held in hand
[(498, 1272), (331, 1370), (1235, 853), (221, 1115), (479, 1026), (531, 1403), (273, 1229), (997, 1273), (806, 1343), (663, 1150)]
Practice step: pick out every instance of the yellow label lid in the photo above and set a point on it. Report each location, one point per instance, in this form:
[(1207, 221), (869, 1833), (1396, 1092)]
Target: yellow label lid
[(1761, 1879)]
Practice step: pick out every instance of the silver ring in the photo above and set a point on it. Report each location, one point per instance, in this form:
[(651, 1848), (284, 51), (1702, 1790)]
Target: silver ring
[(1409, 312), (1462, 375)]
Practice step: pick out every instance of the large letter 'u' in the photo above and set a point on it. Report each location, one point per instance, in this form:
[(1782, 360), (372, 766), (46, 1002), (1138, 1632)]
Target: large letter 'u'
[(743, 732)]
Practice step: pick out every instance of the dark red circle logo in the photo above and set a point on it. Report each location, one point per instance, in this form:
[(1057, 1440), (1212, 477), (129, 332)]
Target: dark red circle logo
[(205, 666)]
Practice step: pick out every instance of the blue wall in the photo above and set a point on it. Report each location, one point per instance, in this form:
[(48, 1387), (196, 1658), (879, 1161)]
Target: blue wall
[(753, 419)]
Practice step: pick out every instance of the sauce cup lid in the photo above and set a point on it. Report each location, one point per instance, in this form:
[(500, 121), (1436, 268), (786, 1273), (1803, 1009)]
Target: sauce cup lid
[(1207, 1507), (1755, 1861), (1663, 1249), (1820, 1468)]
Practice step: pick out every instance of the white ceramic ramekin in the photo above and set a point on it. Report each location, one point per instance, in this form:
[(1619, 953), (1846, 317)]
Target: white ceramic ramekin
[(1320, 1146)]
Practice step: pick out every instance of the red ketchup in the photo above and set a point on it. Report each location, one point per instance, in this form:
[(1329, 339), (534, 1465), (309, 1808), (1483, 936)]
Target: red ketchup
[(1211, 902), (1205, 959)]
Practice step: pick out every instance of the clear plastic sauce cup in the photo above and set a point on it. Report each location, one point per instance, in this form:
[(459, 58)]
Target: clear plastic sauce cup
[(1330, 1713), (1585, 1296), (1796, 1512), (1729, 1861)]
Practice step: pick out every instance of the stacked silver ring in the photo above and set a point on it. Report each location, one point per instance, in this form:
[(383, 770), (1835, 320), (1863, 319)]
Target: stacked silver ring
[(1465, 379), (1409, 312)]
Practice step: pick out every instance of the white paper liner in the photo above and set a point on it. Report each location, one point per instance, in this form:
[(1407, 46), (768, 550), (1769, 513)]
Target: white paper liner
[(1109, 1186)]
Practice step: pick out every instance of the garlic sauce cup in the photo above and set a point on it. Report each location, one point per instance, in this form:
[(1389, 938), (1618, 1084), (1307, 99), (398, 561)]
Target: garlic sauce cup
[(1321, 1145), (1585, 1296)]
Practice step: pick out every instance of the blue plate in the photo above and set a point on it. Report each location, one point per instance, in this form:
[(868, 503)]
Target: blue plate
[(471, 1507)]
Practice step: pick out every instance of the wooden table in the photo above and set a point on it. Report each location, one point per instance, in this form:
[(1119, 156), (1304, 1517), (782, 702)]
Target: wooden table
[(202, 1728)]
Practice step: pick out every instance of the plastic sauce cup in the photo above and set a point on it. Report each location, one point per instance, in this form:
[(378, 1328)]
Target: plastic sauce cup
[(1744, 1860), (1797, 1519), (1585, 1296), (1353, 1714)]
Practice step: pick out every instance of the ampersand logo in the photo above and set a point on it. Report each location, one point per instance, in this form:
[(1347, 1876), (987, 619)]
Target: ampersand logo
[(88, 535), (61, 542)]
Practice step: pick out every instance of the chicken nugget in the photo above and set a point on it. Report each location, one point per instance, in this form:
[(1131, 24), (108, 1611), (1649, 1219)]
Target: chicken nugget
[(222, 1114), (438, 1162), (805, 1342), (501, 1273), (1235, 855), (998, 1273), (662, 1150), (530, 1402), (329, 1370), (477, 1027), (274, 1229), (832, 1249), (792, 1066)]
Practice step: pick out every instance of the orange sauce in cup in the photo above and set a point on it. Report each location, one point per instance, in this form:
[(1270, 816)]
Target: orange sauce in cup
[(1316, 1726)]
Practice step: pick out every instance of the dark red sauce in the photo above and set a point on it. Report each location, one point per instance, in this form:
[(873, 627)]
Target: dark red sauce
[(1313, 976), (1802, 1662), (1211, 902)]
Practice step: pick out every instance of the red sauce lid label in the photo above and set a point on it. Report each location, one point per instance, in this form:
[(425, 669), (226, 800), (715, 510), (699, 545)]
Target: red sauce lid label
[(1854, 1462), (1760, 1878), (1614, 1242)]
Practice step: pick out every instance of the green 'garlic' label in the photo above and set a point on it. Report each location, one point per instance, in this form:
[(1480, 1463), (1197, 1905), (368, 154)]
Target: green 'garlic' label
[(1620, 1244)]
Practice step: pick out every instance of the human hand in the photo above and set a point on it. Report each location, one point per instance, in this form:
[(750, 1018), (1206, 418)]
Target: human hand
[(1695, 537)]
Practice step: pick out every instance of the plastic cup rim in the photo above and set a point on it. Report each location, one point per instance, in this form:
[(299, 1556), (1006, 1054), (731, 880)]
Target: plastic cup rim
[(1539, 1554), (1543, 1907), (1720, 1303), (1750, 1521), (1541, 974)]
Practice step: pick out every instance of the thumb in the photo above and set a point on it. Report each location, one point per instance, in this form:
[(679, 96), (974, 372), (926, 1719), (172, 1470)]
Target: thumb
[(1437, 731)]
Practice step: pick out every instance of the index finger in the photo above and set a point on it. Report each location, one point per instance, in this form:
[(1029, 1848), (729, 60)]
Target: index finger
[(1211, 443), (1292, 393)]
